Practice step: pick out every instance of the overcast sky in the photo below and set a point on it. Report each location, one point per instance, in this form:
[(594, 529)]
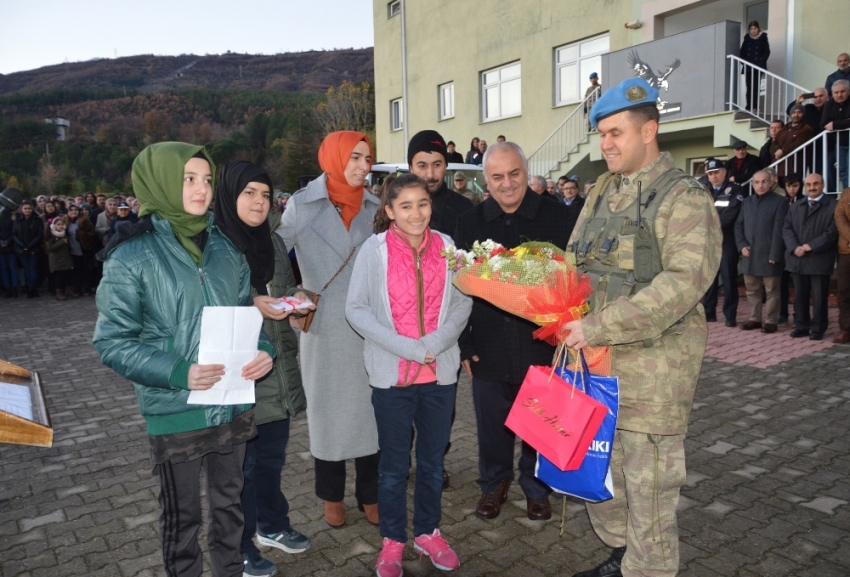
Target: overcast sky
[(38, 33)]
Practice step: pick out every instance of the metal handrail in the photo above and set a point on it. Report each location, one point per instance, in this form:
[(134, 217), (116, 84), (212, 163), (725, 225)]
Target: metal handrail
[(773, 92), (564, 139), (815, 155)]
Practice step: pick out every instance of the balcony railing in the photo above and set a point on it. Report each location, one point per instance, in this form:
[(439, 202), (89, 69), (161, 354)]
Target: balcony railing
[(569, 135), (773, 93)]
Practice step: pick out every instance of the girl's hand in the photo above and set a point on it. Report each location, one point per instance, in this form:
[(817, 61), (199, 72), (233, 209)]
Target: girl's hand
[(202, 377), (258, 368), (429, 359), (264, 303), (302, 296)]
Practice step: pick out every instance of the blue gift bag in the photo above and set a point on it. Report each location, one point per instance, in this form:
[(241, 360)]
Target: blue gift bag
[(592, 480)]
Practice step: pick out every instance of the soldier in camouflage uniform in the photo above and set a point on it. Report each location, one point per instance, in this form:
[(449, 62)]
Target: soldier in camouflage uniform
[(650, 238)]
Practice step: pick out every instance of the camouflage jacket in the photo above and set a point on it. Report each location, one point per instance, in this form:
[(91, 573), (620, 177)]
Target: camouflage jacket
[(657, 342)]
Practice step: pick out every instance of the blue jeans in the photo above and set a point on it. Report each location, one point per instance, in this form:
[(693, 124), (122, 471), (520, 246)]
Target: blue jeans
[(841, 157), (29, 262), (429, 408), (263, 503), (9, 270)]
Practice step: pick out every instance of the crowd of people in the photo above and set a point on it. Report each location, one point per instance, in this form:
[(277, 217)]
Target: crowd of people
[(387, 334)]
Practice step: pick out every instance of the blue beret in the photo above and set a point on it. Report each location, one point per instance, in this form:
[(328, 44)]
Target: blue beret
[(627, 94)]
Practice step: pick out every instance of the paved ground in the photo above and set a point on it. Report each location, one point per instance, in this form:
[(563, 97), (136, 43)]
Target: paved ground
[(767, 493)]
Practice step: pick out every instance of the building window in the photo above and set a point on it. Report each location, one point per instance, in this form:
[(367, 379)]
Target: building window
[(573, 65), (393, 8), (396, 114), (501, 92), (447, 100)]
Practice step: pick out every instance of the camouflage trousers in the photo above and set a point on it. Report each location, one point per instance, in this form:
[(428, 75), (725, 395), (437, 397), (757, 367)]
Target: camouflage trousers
[(648, 471)]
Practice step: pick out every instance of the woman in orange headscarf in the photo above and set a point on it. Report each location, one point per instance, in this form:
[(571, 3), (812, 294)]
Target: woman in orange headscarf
[(326, 223)]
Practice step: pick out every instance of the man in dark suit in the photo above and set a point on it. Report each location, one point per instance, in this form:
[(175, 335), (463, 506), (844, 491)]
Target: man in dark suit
[(498, 348), (811, 236), (744, 165), (574, 203), (728, 197)]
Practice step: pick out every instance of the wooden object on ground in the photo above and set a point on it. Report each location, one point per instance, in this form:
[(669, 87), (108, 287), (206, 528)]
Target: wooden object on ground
[(18, 430)]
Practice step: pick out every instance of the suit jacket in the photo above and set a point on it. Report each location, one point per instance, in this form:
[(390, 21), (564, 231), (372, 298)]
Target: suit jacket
[(749, 167), (502, 341), (340, 416), (759, 227), (816, 227), (574, 210)]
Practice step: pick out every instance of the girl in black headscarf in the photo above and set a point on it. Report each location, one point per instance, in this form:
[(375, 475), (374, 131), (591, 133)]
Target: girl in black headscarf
[(242, 212)]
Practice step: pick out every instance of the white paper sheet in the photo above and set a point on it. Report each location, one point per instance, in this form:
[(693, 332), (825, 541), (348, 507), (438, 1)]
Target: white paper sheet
[(229, 337), (16, 399)]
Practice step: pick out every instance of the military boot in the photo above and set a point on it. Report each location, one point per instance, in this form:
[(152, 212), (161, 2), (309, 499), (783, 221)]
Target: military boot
[(609, 568)]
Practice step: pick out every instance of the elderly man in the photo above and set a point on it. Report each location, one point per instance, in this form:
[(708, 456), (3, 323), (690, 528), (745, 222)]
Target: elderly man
[(538, 185), (426, 155), (836, 116), (758, 235), (843, 72), (646, 309), (482, 148), (728, 197), (551, 187), (104, 220), (842, 222), (742, 167), (498, 348), (810, 238), (788, 139)]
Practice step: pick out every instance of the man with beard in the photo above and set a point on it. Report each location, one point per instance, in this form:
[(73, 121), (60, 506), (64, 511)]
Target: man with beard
[(790, 137), (426, 155), (812, 111)]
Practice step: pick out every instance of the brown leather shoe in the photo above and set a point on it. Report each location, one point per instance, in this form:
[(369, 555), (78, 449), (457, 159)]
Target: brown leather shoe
[(335, 513), (842, 338), (750, 325), (371, 512), (768, 328), (539, 509), (490, 504)]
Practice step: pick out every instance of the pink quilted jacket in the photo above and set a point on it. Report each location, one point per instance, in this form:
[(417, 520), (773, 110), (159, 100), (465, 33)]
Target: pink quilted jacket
[(415, 283)]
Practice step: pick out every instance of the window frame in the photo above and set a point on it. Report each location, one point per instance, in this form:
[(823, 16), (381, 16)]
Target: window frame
[(394, 4), (441, 112), (498, 84), (400, 125), (557, 66)]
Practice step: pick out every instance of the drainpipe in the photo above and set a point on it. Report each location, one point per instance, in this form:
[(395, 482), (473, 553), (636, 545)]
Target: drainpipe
[(404, 102)]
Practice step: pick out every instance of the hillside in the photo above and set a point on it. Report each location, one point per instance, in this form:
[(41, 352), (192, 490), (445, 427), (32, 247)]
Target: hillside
[(291, 72)]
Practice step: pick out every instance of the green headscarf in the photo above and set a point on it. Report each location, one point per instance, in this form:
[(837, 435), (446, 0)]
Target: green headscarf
[(158, 186)]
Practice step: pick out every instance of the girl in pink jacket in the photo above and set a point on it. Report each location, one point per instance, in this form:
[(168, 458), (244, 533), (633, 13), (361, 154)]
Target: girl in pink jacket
[(402, 301)]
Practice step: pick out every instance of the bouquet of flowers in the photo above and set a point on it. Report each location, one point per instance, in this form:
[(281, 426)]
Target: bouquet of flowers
[(536, 281)]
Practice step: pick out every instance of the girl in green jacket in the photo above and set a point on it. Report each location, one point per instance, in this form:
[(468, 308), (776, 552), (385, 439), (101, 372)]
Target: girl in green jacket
[(158, 275)]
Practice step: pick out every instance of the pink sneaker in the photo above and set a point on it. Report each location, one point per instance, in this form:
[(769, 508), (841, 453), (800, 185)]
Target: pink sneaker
[(389, 561), (438, 550)]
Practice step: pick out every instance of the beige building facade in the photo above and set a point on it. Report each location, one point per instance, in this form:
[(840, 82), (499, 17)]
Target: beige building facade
[(520, 69)]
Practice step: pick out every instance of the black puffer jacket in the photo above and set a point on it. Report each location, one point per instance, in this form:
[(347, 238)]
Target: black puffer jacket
[(28, 234)]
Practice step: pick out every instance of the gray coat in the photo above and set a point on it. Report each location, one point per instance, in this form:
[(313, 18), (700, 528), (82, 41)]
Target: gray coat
[(340, 417), (759, 227), (369, 312), (815, 227)]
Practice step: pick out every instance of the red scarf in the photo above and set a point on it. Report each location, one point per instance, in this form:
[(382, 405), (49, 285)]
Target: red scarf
[(334, 153)]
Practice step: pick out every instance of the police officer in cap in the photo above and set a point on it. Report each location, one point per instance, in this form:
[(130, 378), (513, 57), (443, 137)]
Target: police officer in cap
[(727, 200), (650, 240)]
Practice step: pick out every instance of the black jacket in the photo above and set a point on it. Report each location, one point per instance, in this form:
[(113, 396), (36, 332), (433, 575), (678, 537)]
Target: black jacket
[(7, 245), (503, 342), (727, 201), (839, 115), (446, 206), (28, 234), (573, 210), (764, 154), (454, 157), (756, 51), (473, 154), (837, 75), (813, 226), (751, 165)]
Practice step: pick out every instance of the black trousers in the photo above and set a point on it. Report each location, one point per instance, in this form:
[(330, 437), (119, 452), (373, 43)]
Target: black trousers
[(330, 479), (493, 401), (753, 80), (818, 287), (729, 273), (180, 514)]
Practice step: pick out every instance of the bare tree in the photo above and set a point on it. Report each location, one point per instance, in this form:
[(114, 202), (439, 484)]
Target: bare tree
[(347, 107)]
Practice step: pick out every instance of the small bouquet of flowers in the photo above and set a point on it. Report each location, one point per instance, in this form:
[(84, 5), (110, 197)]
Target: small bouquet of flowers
[(536, 281)]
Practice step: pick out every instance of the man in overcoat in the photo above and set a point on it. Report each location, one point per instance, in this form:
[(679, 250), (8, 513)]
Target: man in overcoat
[(758, 234), (810, 236)]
